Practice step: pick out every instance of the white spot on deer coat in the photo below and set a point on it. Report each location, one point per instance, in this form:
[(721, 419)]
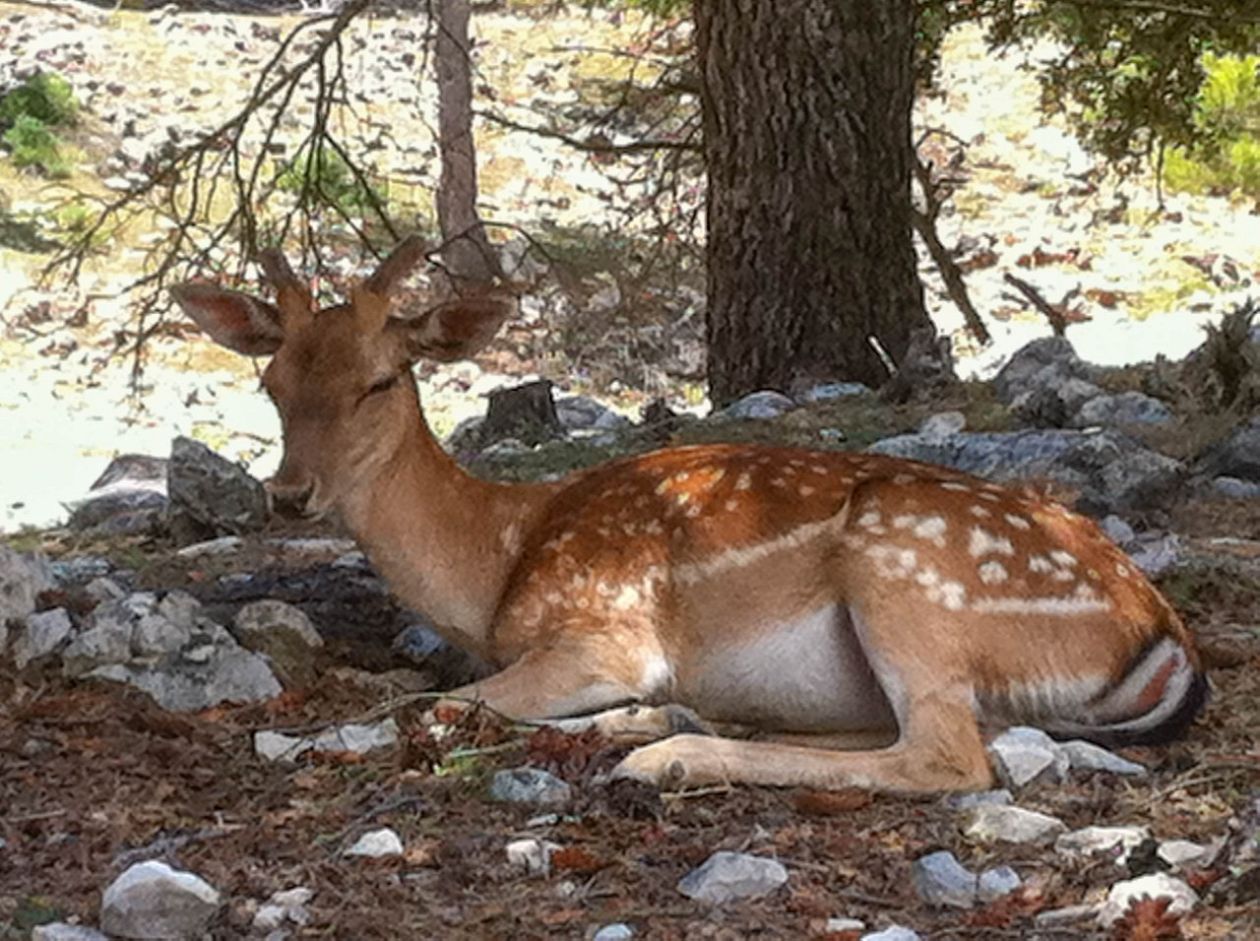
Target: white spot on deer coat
[(992, 573), (984, 542)]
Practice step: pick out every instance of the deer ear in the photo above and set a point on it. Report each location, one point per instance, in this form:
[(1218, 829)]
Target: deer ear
[(454, 330), (240, 322)]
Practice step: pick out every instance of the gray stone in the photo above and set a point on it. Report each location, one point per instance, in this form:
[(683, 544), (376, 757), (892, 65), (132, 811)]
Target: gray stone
[(760, 405), (223, 545), (376, 844), (1156, 553), (23, 577), (102, 590), (120, 509), (217, 495), (1122, 409), (355, 738), (1157, 886), (1185, 854), (531, 855), (529, 786), (62, 931), (943, 882), (1117, 529), (615, 932), (1086, 756), (1236, 489), (1047, 361), (943, 424), (1238, 456), (285, 906), (830, 391), (44, 632), (96, 647), (227, 673), (1023, 756), (726, 876), (1114, 843), (997, 883), (583, 412), (997, 797), (284, 635), (990, 824), (836, 925), (80, 569), (1113, 472), (152, 900), (892, 933), (1062, 917)]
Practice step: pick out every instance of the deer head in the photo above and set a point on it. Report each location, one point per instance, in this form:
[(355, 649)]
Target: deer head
[(340, 376)]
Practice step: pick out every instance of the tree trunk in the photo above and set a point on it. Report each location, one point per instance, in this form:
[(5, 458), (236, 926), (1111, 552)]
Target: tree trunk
[(468, 255), (808, 146)]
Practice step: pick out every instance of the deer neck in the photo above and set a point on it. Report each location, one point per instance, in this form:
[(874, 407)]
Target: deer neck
[(444, 541)]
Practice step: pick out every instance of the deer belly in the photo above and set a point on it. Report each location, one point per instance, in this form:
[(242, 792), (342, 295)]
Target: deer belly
[(807, 674)]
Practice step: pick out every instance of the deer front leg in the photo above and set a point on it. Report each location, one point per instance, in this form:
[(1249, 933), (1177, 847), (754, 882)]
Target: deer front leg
[(940, 749), (570, 690)]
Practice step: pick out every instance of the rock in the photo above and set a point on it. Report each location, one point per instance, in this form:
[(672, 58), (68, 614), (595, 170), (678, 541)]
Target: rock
[(61, 931), (583, 412), (1114, 843), (836, 925), (223, 545), (759, 405), (353, 738), (830, 391), (1023, 756), (943, 424), (1117, 529), (376, 844), (152, 900), (1113, 473), (1157, 885), (725, 876), (529, 786), (102, 590), (205, 675), (287, 906), (1121, 410), (531, 855), (1184, 854), (210, 494), (1086, 756), (978, 799), (1238, 456), (43, 634), (1236, 489), (284, 635), (1156, 553), (121, 509), (22, 578), (1043, 363), (943, 882), (892, 933), (1062, 917), (997, 883), (615, 932), (80, 569), (990, 824)]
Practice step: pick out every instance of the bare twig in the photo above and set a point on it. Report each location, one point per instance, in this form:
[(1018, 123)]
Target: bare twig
[(1058, 322)]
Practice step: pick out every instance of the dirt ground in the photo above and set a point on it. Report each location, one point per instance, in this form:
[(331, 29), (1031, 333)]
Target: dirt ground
[(94, 777)]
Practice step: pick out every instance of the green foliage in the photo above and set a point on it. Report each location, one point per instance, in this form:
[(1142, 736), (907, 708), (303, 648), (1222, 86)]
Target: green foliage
[(45, 96), (323, 177), (33, 144), (1129, 76), (1227, 155)]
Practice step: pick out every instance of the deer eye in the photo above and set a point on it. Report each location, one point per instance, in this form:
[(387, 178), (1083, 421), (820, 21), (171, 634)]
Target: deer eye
[(381, 385)]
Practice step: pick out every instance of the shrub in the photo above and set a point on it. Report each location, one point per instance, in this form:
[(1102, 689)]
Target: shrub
[(1227, 114), (325, 178), (33, 144), (45, 96)]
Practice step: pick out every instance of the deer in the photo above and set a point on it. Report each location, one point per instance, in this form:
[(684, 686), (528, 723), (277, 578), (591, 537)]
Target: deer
[(841, 619)]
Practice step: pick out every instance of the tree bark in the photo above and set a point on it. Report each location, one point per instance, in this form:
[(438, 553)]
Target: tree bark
[(809, 153), (467, 255)]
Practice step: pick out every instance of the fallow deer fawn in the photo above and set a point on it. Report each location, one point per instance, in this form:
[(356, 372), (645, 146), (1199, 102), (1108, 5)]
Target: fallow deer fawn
[(813, 597)]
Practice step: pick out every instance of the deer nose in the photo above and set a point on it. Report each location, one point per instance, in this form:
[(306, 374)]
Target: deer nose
[(290, 500)]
